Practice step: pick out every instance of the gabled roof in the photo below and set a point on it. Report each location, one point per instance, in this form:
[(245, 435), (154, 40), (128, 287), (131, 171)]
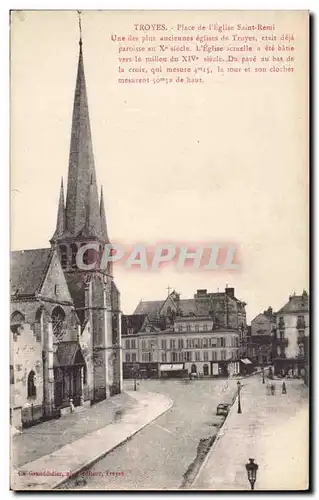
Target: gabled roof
[(68, 354), (296, 304), (151, 307), (28, 270)]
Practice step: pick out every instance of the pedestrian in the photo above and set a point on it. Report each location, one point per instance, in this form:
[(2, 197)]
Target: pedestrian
[(284, 390), (273, 389)]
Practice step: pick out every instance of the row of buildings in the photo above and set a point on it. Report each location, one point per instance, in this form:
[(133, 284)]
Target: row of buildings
[(208, 335)]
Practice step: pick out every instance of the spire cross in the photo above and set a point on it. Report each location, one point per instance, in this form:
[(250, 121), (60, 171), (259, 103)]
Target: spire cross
[(80, 26), (168, 290)]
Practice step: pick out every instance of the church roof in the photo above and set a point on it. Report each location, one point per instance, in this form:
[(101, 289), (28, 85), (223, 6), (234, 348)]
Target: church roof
[(28, 270)]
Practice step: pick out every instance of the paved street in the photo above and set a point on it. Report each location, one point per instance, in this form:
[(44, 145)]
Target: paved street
[(273, 429), (159, 455)]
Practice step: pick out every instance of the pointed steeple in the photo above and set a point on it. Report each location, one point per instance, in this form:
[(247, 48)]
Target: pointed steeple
[(60, 223), (103, 218), (82, 194)]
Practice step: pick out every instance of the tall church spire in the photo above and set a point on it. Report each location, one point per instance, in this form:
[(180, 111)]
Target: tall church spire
[(82, 195), (60, 223), (103, 218)]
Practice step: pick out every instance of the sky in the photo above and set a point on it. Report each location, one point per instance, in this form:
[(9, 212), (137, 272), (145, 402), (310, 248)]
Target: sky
[(224, 162)]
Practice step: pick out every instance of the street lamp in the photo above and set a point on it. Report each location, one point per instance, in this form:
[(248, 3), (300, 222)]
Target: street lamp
[(263, 371), (238, 390), (252, 468)]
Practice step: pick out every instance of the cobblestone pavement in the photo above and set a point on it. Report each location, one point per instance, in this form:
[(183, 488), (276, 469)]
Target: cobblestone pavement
[(273, 429), (49, 436), (160, 454)]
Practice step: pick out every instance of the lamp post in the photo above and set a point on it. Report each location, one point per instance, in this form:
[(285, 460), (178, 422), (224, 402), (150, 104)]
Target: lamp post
[(238, 391), (252, 468), (263, 372)]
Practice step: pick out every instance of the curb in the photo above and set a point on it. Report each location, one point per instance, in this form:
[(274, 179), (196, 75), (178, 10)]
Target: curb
[(219, 435)]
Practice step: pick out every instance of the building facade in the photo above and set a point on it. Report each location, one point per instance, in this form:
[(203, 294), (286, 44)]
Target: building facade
[(65, 320), (200, 335), (260, 338), (291, 339)]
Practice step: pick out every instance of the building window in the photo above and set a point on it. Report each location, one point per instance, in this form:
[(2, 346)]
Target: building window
[(205, 355), (197, 356), (174, 357), (188, 328), (58, 322), (223, 355), (214, 355), (205, 343), (206, 370), (188, 356), (127, 344), (16, 323), (127, 357), (164, 357), (222, 342), (196, 328), (11, 374), (163, 343), (188, 343), (130, 331), (205, 328), (180, 343), (143, 344), (133, 344), (180, 328), (32, 391), (172, 343), (133, 357)]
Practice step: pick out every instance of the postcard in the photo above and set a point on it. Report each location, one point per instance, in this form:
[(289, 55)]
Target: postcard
[(159, 324)]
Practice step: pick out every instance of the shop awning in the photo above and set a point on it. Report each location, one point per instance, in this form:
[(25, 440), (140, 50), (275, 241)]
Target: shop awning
[(246, 361), (171, 368)]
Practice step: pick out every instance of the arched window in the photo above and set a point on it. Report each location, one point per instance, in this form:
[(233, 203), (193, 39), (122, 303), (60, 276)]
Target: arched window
[(58, 322), (63, 256), (32, 390), (16, 323)]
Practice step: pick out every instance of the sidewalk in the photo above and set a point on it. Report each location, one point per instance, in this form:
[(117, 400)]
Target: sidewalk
[(271, 429), (52, 469)]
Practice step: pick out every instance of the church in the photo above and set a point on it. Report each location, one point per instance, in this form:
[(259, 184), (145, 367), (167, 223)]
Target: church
[(65, 321)]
